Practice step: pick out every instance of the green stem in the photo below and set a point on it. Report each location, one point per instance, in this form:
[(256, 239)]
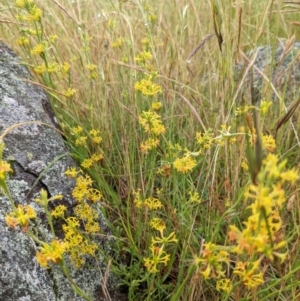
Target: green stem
[(75, 287)]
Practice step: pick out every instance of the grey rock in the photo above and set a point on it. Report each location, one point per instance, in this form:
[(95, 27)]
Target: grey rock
[(280, 66), (39, 158)]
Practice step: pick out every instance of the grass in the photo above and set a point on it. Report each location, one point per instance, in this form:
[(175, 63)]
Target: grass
[(193, 190)]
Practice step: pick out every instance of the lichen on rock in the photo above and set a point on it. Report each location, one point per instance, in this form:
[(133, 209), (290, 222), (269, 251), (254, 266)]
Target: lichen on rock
[(274, 72), (39, 158)]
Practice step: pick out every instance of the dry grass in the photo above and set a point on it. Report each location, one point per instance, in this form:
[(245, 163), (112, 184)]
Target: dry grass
[(200, 92)]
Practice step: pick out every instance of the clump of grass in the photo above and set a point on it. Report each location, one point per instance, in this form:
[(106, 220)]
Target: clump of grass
[(178, 162)]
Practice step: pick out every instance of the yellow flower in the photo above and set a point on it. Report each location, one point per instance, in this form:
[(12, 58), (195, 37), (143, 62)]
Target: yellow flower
[(35, 14), (20, 216), (81, 190), (268, 143), (38, 50), (65, 68), (211, 261), (194, 197), (95, 136), (289, 176), (264, 106), (153, 203), (52, 252), (4, 169), (147, 87), (151, 122), (97, 140), (152, 18), (85, 211), (244, 165), (205, 140), (118, 43), (224, 284), (185, 164), (157, 224), (145, 41), (40, 69), (33, 32), (97, 157), (138, 199), (92, 227), (158, 256), (72, 172), (94, 195), (53, 38), (164, 239), (69, 92), (23, 41), (72, 225), (81, 141), (94, 132), (156, 105), (58, 211), (87, 163), (23, 3), (149, 144), (77, 130), (91, 67), (143, 56), (249, 273), (243, 110)]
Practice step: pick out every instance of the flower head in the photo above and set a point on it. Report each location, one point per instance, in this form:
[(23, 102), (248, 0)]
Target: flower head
[(52, 253), (20, 216)]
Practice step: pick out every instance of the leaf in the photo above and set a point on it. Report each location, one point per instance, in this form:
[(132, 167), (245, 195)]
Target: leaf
[(287, 116), (217, 22)]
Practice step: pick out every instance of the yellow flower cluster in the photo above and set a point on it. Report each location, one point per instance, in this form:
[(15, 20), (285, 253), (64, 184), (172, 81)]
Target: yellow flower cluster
[(268, 143), (157, 248), (147, 87), (54, 67), (4, 166), (38, 49), (264, 106), (50, 68), (205, 140), (212, 260), (260, 237), (69, 92), (156, 105), (143, 57), (151, 203), (23, 41), (185, 164), (118, 43), (78, 244), (243, 110), (24, 3), (149, 144), (93, 71), (83, 189), (81, 139), (151, 122), (95, 136), (20, 216), (52, 252), (33, 13), (75, 243)]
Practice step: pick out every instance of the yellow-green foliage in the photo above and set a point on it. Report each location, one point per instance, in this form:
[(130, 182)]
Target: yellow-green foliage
[(201, 197)]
